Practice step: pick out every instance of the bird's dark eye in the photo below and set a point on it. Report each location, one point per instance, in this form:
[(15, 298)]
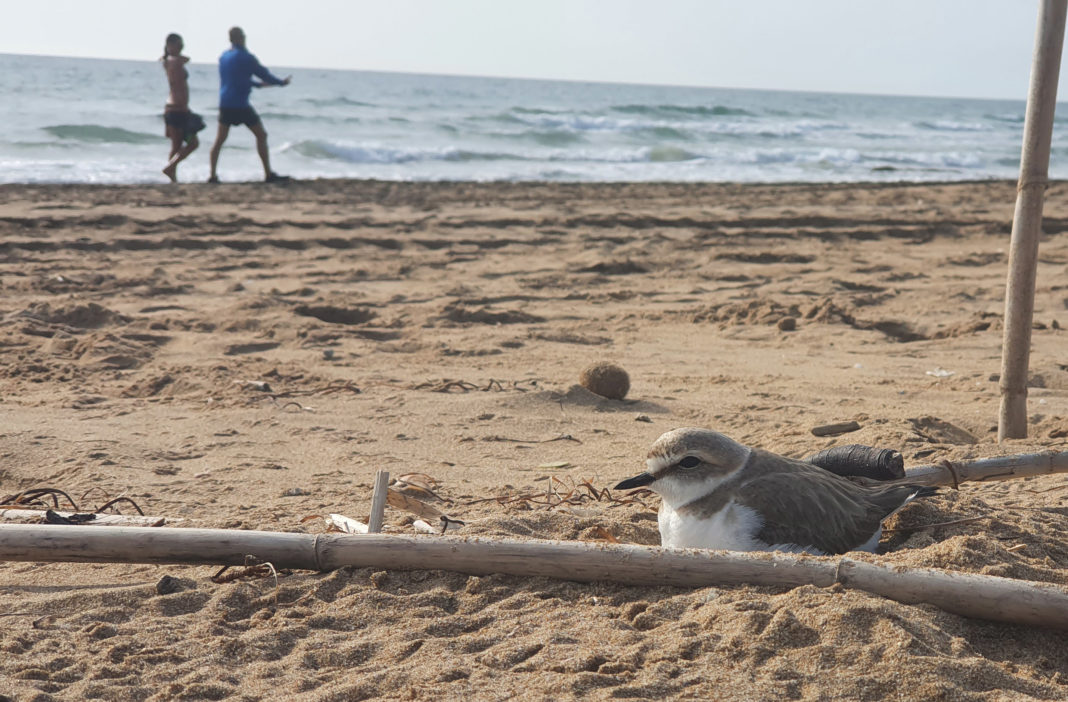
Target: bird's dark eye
[(690, 462)]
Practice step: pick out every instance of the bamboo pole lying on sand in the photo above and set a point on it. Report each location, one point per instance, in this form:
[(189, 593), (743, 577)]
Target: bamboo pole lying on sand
[(1024, 465), (979, 596)]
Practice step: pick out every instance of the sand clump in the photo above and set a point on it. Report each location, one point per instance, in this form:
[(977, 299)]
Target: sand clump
[(606, 379), (254, 355)]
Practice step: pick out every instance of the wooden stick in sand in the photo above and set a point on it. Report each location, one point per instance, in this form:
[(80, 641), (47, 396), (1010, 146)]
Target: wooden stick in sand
[(378, 502), (979, 596), (1027, 220)]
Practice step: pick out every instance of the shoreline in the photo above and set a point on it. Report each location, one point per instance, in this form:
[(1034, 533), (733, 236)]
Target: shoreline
[(382, 181)]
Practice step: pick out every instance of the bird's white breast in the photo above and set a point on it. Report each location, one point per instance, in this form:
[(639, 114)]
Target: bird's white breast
[(733, 528)]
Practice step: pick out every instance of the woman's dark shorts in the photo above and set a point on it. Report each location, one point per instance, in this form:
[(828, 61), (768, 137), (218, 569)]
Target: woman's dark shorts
[(238, 115), (189, 122)]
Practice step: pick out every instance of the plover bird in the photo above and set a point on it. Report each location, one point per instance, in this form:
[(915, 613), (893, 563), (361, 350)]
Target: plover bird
[(719, 494)]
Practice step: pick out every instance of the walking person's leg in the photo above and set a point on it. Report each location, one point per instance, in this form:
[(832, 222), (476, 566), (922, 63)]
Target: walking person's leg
[(178, 155), (175, 135), (261, 148), (220, 139)]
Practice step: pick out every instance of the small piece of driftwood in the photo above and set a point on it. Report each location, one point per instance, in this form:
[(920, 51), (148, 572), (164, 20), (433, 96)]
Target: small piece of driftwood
[(347, 525), (378, 502), (835, 429), (969, 595), (97, 518), (1024, 465), (424, 528)]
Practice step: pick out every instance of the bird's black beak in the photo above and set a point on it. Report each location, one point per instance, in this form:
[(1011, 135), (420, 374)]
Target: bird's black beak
[(636, 482)]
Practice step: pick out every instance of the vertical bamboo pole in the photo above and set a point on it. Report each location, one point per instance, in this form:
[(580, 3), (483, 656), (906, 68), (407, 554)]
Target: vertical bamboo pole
[(378, 502), (1027, 220)]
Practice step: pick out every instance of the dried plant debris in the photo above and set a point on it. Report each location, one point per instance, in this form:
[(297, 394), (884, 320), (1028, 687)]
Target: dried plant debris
[(561, 493), (274, 397), (38, 498), (507, 439), (253, 569), (418, 485), (53, 517), (399, 500), (328, 389), (447, 385), (34, 498)]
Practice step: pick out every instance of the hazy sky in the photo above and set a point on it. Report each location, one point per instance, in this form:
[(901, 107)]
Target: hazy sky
[(975, 48)]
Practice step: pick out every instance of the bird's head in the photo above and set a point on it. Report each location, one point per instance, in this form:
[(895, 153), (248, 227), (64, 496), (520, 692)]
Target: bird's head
[(685, 464)]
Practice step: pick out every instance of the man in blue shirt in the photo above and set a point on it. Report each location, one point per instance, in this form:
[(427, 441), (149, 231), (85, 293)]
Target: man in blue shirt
[(236, 70)]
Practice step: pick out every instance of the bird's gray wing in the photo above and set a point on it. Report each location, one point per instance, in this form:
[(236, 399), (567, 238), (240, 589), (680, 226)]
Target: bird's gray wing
[(811, 508)]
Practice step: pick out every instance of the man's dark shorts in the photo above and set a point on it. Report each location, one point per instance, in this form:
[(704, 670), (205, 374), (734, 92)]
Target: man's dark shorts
[(189, 122), (238, 115)]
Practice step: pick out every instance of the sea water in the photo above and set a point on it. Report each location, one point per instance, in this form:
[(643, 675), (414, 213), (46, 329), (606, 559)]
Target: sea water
[(97, 121)]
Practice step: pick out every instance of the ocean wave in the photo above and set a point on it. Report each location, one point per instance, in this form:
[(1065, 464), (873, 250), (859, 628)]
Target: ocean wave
[(550, 137), (42, 146), (297, 117), (648, 126), (1011, 118), (849, 160), (789, 129), (580, 123), (654, 153), (838, 159), (1015, 118), (665, 132), (664, 154), (500, 118), (945, 125), (340, 101), (98, 134), (763, 129), (847, 157), (546, 121), (321, 149), (694, 110), (941, 160), (520, 110), (352, 153)]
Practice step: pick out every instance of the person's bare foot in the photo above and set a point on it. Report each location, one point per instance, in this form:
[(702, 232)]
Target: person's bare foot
[(171, 172)]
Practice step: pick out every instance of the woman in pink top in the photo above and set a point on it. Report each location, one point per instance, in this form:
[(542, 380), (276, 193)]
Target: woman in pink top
[(182, 123)]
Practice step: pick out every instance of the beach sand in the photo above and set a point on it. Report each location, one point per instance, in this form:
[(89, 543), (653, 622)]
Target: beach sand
[(440, 329)]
